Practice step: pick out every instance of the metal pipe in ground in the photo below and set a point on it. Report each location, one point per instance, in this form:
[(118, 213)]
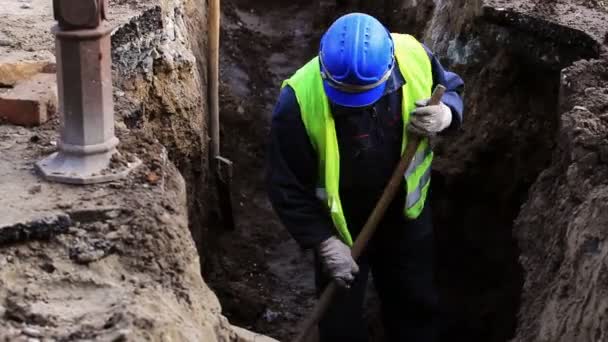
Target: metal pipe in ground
[(84, 79)]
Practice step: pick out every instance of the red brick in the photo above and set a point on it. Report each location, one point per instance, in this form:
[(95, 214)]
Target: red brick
[(31, 102)]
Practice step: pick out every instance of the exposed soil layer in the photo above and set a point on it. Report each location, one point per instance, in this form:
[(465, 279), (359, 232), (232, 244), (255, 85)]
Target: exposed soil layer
[(159, 75), (562, 228), (511, 61), (105, 262)]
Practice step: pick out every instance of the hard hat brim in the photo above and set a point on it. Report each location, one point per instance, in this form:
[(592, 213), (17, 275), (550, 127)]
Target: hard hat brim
[(349, 99)]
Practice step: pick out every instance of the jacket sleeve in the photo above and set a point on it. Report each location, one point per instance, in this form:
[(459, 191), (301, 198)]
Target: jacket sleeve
[(292, 175), (455, 88)]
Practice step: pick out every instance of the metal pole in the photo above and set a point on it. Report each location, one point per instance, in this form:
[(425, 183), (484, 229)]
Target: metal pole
[(84, 80)]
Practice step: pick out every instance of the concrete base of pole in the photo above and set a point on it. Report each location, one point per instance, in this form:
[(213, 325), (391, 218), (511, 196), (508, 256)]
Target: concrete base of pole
[(84, 169)]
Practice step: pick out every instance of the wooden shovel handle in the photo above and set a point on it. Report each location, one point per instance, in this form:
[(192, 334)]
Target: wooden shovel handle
[(213, 70), (391, 189)]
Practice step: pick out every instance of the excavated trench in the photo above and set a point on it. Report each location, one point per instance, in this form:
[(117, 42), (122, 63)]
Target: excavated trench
[(480, 182), (481, 177)]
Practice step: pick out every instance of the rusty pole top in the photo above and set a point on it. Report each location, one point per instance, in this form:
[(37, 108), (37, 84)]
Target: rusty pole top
[(80, 14)]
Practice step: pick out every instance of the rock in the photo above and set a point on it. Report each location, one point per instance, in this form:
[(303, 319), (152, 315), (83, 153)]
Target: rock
[(88, 257), (13, 72), (121, 335), (112, 214), (35, 189), (31, 332), (269, 315), (246, 336), (152, 177), (113, 236)]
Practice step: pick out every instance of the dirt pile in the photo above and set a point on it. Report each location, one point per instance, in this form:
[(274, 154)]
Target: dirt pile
[(106, 262)]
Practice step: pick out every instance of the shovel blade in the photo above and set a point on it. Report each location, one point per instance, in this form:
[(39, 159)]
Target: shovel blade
[(224, 191)]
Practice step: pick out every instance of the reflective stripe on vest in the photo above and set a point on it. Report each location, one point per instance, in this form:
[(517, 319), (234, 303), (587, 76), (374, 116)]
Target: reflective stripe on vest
[(418, 176), (307, 84)]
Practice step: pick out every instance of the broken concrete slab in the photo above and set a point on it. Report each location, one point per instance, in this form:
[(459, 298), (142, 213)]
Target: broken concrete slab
[(31, 102), (26, 198)]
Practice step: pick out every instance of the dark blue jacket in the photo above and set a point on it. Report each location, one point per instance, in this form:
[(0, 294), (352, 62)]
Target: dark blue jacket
[(369, 141)]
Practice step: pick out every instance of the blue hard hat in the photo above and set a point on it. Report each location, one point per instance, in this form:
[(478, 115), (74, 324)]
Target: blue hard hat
[(357, 58)]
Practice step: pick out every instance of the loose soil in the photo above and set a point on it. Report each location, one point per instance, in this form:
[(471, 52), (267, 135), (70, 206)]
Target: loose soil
[(104, 262)]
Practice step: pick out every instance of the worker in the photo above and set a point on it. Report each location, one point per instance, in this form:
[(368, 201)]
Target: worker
[(338, 131)]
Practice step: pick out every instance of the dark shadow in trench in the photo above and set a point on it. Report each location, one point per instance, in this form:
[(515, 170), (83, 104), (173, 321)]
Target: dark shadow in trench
[(509, 141)]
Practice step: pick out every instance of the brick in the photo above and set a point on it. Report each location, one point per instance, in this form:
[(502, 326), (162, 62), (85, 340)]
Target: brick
[(31, 102), (13, 72)]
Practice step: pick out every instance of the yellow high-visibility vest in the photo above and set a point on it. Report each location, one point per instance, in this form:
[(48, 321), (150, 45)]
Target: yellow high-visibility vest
[(307, 84)]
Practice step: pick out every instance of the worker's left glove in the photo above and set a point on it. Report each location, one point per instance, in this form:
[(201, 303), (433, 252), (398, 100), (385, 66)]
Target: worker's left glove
[(428, 120)]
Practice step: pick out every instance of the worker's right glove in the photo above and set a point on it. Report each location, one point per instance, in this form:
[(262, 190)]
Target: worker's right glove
[(428, 120), (338, 262)]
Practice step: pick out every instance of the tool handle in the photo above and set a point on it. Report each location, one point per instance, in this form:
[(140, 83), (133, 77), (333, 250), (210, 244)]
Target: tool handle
[(213, 70), (371, 225), (437, 95)]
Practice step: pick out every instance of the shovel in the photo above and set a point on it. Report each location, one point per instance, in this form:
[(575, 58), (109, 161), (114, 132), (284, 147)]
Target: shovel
[(391, 189), (221, 165)]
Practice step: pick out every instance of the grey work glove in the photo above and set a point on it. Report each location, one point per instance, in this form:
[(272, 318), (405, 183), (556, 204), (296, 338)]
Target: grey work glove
[(429, 120), (338, 262)]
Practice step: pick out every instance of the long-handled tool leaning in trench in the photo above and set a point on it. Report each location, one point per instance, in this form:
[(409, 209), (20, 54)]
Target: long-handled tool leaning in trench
[(221, 165), (391, 189)]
